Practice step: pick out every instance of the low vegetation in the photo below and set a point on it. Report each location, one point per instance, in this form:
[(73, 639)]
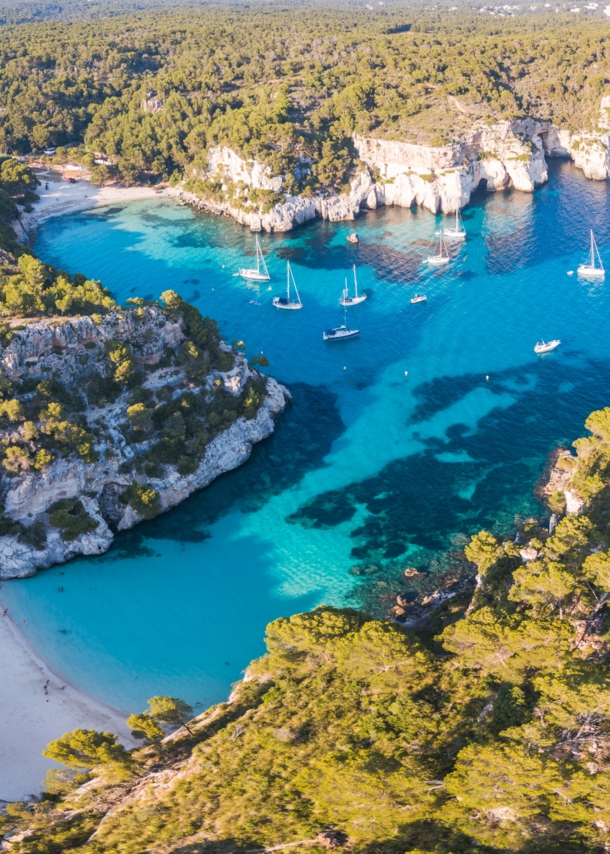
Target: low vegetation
[(488, 730)]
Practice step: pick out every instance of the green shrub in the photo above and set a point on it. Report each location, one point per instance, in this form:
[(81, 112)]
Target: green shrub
[(69, 515)]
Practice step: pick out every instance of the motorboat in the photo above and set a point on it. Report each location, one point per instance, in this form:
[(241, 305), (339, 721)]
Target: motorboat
[(288, 302), (418, 298), (546, 346)]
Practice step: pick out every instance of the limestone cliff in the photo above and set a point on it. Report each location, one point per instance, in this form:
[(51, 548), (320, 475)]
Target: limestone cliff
[(508, 154), (68, 359)]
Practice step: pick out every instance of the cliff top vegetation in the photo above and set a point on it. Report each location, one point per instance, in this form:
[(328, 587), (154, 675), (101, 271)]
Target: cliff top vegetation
[(487, 731), (154, 92)]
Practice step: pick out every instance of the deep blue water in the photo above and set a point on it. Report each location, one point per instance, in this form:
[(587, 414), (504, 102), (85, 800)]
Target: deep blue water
[(436, 422)]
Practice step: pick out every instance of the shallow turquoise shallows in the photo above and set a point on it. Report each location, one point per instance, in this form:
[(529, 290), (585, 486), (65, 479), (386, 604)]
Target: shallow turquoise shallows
[(434, 423)]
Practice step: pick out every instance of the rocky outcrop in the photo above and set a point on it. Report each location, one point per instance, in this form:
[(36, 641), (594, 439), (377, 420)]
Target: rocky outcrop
[(508, 154), (71, 350)]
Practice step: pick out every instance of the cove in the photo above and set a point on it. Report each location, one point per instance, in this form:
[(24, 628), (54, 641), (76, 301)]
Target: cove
[(434, 423)]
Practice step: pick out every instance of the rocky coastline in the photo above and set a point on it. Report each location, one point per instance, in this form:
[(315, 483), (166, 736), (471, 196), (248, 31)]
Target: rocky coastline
[(500, 156), (420, 597), (72, 349)]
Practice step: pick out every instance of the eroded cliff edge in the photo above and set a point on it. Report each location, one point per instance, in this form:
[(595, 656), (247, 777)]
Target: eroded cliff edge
[(507, 154), (110, 420)]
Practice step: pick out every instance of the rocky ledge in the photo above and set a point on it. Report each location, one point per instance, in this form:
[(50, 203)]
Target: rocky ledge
[(92, 462), (500, 156)]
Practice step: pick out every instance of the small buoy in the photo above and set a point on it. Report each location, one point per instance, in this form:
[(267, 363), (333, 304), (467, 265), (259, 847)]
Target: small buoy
[(344, 367), (223, 266), (487, 378), (212, 288), (570, 272), (406, 373)]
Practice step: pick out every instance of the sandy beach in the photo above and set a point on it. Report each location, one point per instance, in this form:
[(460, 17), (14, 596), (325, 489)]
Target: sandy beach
[(31, 717), (63, 198)]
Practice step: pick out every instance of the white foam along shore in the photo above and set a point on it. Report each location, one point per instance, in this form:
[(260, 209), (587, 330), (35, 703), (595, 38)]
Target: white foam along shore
[(31, 714), (62, 197)]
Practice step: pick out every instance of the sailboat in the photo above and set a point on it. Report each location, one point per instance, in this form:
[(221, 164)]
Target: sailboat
[(459, 232), (346, 300), (593, 267), (340, 333), (441, 257), (286, 302), (260, 274)]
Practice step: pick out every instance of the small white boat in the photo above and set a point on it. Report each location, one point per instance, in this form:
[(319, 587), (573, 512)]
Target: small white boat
[(260, 274), (546, 346), (286, 302), (418, 298), (340, 333), (345, 298), (593, 267), (457, 233), (441, 256), (353, 238)]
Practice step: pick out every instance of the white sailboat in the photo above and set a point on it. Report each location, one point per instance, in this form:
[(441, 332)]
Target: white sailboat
[(593, 267), (459, 232), (441, 256), (340, 333), (346, 300), (546, 346), (286, 302), (260, 274)]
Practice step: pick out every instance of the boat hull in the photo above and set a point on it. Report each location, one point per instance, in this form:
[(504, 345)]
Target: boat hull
[(351, 301), (254, 276), (452, 234), (418, 299), (437, 260), (290, 306), (546, 347), (587, 272), (340, 334)]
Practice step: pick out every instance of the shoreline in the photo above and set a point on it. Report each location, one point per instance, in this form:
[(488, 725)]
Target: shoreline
[(30, 717), (64, 198)]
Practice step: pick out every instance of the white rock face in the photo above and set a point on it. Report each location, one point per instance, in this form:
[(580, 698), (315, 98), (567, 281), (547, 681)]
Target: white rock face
[(223, 162), (503, 155), (47, 347), (508, 154)]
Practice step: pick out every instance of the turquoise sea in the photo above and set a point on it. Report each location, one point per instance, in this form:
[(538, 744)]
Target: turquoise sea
[(436, 422)]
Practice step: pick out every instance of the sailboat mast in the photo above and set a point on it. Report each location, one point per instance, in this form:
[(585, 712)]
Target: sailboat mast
[(355, 283), (592, 250)]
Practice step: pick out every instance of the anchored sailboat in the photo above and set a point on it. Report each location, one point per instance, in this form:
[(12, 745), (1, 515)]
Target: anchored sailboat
[(346, 300), (260, 274), (287, 302), (459, 232), (441, 256), (593, 267), (340, 333)]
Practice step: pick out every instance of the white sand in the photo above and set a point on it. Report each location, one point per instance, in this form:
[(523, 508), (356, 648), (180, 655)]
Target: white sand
[(29, 718), (63, 197)]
